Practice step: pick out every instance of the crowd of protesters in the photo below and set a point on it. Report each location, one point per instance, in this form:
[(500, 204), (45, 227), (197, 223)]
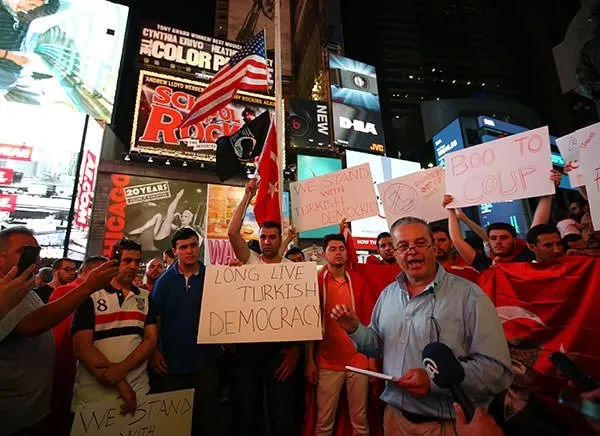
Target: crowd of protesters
[(71, 337)]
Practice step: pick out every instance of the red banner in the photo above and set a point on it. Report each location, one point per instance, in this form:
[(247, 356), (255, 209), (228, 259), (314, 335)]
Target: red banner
[(8, 202), (86, 189), (546, 308), (16, 152), (6, 176), (163, 102)]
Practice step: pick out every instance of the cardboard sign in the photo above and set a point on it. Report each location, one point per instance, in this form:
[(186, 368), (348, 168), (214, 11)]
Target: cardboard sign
[(590, 157), (157, 415), (260, 303), (510, 168), (569, 147), (327, 199), (419, 194)]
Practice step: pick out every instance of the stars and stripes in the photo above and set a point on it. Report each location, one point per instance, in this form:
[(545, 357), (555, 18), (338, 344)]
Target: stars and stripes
[(246, 70)]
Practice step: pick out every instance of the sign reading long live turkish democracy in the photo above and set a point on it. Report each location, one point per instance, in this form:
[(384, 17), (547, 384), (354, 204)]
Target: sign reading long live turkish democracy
[(510, 168), (325, 200), (260, 303)]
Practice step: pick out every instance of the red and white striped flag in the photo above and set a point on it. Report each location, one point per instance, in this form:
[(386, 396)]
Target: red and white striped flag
[(246, 70)]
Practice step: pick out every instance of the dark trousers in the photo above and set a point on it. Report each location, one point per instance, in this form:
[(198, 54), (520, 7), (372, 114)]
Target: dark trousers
[(254, 385), (205, 383)]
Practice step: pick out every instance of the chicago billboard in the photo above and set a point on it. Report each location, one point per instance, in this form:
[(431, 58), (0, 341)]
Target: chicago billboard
[(356, 110)]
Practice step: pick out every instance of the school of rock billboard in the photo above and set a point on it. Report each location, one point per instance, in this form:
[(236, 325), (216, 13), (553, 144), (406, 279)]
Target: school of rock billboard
[(308, 124), (162, 103), (63, 53), (149, 210), (356, 110)]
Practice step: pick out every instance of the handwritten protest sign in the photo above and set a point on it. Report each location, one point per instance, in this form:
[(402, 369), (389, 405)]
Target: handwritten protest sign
[(327, 199), (418, 194), (510, 168), (260, 303), (590, 157), (569, 147), (156, 415)]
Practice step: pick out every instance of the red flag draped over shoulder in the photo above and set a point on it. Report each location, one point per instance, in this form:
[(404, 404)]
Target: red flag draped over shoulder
[(551, 307), (267, 207)]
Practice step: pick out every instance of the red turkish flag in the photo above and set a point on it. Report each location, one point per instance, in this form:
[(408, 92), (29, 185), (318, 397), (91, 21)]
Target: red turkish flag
[(267, 207)]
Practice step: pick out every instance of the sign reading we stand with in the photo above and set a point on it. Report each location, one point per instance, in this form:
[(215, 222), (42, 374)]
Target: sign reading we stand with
[(510, 168), (326, 200)]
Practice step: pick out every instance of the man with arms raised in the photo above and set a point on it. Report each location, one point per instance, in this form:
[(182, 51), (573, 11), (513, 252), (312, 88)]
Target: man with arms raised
[(114, 333), (180, 362), (426, 304), (26, 346), (449, 258), (385, 250), (273, 363)]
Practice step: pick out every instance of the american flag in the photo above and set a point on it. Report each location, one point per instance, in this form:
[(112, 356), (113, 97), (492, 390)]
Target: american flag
[(247, 70)]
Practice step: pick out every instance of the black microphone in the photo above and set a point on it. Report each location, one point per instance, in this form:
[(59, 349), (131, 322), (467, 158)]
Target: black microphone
[(447, 373)]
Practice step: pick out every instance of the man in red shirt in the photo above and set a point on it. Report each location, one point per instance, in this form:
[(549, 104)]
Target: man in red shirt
[(61, 417), (449, 258), (385, 250), (337, 285)]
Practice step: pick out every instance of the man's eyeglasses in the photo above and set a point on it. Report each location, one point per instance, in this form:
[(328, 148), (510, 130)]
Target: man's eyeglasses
[(417, 246)]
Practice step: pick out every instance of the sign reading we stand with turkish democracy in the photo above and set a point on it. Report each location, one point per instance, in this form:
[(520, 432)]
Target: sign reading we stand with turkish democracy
[(326, 200), (510, 168), (260, 303)]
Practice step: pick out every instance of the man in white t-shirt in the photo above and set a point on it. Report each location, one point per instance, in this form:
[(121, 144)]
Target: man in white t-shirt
[(272, 364)]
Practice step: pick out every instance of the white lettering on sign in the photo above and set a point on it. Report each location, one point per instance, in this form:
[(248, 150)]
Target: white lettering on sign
[(325, 200), (6, 176), (86, 190), (322, 118), (358, 125), (510, 168), (150, 192), (8, 202), (260, 303), (16, 152)]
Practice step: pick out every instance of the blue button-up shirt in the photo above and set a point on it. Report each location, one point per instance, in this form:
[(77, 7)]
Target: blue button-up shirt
[(464, 318)]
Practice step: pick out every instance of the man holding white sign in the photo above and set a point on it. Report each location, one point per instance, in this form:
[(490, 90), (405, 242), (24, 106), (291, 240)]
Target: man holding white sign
[(274, 363)]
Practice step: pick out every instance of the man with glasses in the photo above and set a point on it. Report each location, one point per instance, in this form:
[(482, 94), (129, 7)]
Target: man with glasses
[(64, 271), (426, 304)]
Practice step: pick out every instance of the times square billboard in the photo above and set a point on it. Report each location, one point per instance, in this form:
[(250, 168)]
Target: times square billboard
[(62, 53), (355, 103)]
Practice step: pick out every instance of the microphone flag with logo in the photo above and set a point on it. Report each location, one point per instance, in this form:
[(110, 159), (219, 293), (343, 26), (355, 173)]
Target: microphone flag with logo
[(447, 373), (244, 146), (267, 207)]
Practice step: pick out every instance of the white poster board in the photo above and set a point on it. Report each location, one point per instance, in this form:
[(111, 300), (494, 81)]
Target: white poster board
[(590, 157), (164, 414), (510, 168), (326, 200), (419, 194), (382, 169), (260, 303), (569, 147)]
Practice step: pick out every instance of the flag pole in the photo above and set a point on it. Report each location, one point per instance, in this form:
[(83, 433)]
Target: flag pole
[(279, 120)]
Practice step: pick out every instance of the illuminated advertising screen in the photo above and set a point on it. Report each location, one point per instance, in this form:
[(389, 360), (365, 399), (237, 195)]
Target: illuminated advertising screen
[(64, 53), (446, 140), (365, 230), (356, 110), (176, 51), (314, 166), (308, 124), (162, 103), (38, 167)]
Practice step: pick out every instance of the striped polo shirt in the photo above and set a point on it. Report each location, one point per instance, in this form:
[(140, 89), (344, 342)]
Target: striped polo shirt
[(118, 323)]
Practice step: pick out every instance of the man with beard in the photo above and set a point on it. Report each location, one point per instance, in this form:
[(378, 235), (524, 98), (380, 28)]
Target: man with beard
[(114, 333), (426, 304), (385, 250), (272, 365), (337, 285), (154, 268), (449, 258)]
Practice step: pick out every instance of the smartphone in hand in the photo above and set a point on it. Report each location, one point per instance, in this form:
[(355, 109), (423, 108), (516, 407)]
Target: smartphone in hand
[(29, 256)]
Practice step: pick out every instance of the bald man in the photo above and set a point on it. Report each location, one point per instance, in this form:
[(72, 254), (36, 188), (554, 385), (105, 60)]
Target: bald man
[(154, 268)]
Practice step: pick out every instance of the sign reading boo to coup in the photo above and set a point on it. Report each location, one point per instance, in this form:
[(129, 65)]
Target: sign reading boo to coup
[(260, 303)]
